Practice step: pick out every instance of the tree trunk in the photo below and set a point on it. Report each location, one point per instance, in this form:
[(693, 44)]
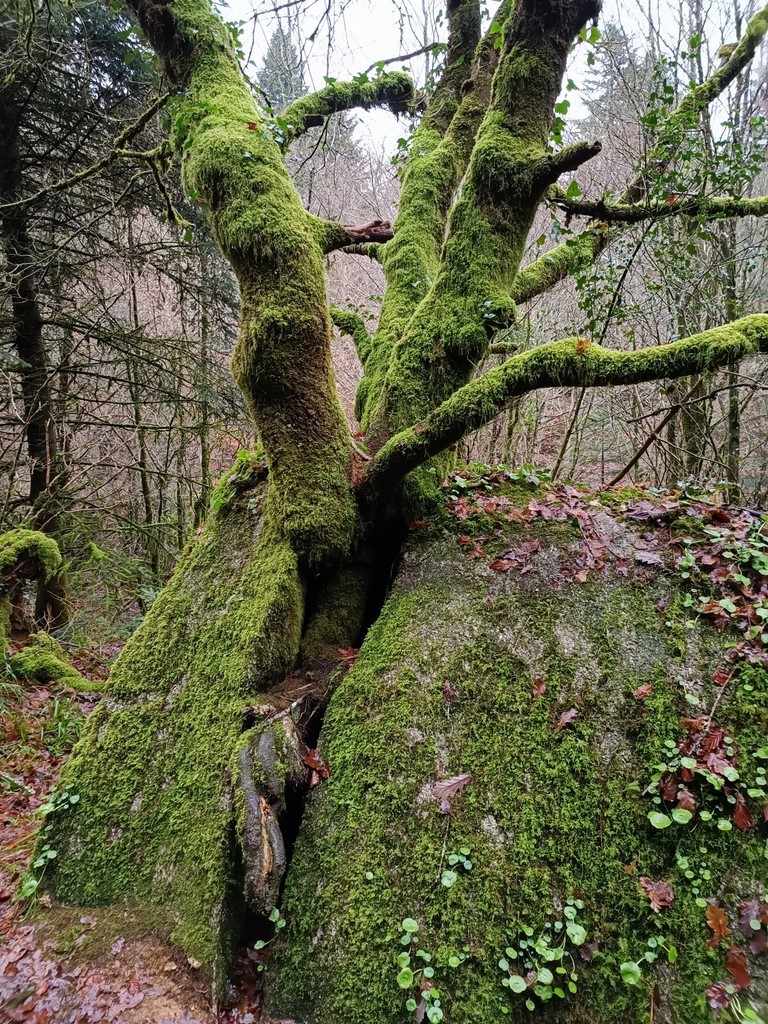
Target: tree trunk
[(45, 470)]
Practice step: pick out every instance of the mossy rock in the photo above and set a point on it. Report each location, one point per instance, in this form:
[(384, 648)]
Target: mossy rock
[(444, 685)]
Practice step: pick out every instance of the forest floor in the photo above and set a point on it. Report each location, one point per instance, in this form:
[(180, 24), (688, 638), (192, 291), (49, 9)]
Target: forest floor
[(59, 967)]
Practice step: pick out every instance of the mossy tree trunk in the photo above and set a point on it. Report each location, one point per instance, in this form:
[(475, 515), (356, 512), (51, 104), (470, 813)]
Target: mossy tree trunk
[(191, 773), (47, 473)]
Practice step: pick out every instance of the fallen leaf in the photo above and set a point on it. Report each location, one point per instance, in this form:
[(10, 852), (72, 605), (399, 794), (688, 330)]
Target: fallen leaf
[(539, 688), (717, 996), (736, 965), (644, 692), (566, 718), (450, 693), (312, 760), (661, 894), (582, 344), (447, 788), (721, 676), (648, 558), (717, 920), (742, 816)]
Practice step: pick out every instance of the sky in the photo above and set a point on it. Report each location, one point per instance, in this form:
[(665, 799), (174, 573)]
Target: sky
[(365, 31)]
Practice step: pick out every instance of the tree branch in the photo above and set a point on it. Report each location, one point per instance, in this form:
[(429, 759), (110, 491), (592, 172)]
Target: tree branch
[(579, 250), (633, 213), (117, 150), (429, 48), (568, 159), (573, 362), (393, 89), (353, 326), (333, 235)]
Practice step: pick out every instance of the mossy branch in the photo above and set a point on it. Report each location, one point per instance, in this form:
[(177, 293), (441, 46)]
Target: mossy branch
[(570, 158), (579, 250), (351, 324), (716, 208), (333, 235), (573, 362), (393, 89)]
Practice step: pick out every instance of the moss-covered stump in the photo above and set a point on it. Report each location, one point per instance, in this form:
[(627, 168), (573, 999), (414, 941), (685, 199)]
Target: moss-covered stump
[(153, 822), (555, 698)]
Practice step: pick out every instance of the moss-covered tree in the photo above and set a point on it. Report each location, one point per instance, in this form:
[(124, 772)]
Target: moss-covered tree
[(193, 772)]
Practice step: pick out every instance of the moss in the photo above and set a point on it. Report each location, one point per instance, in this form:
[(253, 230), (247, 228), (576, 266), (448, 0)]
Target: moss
[(547, 812), (153, 825), (43, 665), (571, 363), (392, 89), (31, 550)]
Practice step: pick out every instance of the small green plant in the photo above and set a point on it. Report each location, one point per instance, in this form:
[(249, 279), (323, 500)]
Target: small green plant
[(542, 967), (416, 971), (278, 921), (450, 877), (630, 969), (57, 802), (697, 873)]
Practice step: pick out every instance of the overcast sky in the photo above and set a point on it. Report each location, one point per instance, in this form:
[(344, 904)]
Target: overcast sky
[(357, 33)]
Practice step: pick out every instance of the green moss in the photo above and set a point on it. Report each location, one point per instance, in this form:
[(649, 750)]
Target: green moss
[(547, 812), (34, 551), (42, 664), (392, 89), (154, 822)]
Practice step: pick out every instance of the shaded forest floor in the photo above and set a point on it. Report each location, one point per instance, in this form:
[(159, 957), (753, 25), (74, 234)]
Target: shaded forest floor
[(71, 968)]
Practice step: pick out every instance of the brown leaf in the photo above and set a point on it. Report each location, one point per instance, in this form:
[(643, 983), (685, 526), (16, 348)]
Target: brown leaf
[(582, 344), (348, 655), (717, 996), (566, 718), (312, 760), (644, 692), (661, 894), (539, 688), (742, 816), (503, 564), (717, 920), (450, 787), (648, 558), (721, 676), (450, 693), (686, 801), (736, 965)]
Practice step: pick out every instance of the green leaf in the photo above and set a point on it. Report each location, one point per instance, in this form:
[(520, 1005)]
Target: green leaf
[(503, 965), (672, 954), (403, 959), (576, 933), (516, 983), (659, 820), (410, 1005), (409, 925), (681, 815), (630, 973), (573, 191), (545, 976), (449, 878), (724, 825), (405, 978)]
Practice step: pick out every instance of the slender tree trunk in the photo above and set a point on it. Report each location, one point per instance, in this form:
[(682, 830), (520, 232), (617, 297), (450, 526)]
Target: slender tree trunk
[(45, 468)]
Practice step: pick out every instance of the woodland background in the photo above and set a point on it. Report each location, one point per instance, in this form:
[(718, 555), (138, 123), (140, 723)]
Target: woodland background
[(130, 390)]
